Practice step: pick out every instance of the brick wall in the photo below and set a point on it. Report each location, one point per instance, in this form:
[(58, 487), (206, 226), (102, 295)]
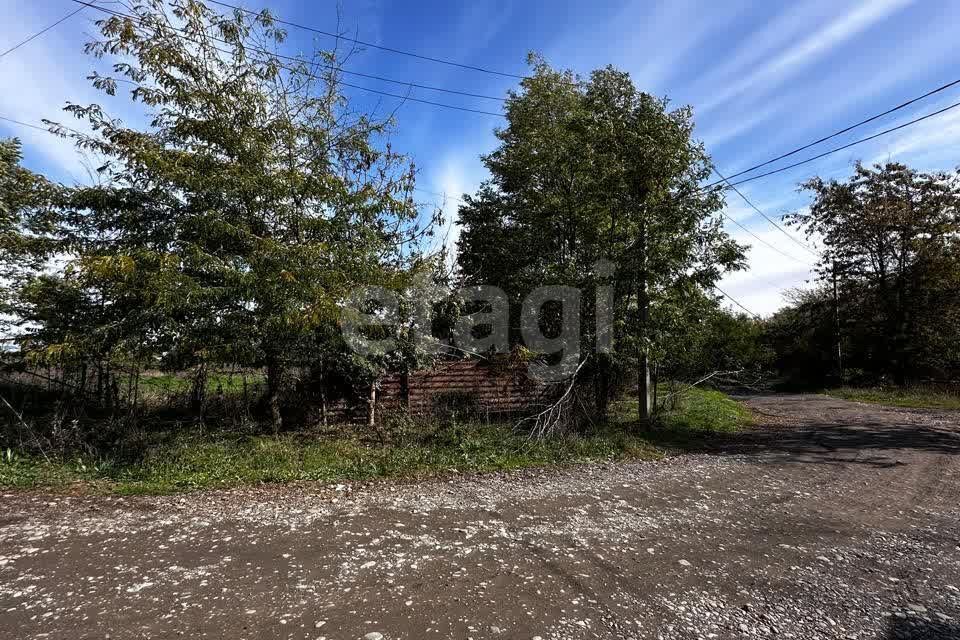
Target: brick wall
[(490, 387)]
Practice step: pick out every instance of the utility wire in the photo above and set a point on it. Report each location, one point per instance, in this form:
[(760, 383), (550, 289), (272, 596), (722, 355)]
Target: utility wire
[(376, 46), (345, 84), (41, 32), (846, 146), (370, 76), (24, 124), (842, 131), (731, 185), (759, 239), (735, 301), (437, 194), (803, 245)]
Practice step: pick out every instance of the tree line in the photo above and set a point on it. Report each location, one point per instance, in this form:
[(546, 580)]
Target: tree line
[(888, 302), (230, 230)]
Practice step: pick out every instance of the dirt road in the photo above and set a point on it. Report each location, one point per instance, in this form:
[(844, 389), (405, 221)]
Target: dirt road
[(832, 520)]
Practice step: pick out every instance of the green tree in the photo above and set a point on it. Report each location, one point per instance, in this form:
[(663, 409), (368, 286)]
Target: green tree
[(28, 224), (591, 170), (236, 223), (891, 238)]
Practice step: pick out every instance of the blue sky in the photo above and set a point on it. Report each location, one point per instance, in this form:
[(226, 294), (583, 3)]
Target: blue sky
[(762, 78)]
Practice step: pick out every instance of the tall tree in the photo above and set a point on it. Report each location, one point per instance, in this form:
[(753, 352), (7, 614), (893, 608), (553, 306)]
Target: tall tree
[(892, 239), (252, 204), (591, 170)]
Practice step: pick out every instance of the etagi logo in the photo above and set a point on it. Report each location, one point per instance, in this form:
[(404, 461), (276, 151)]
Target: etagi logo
[(374, 317)]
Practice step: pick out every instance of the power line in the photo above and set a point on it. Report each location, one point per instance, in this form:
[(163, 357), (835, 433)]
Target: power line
[(437, 194), (262, 51), (521, 77), (25, 124), (734, 221), (735, 301), (41, 32), (842, 131), (846, 146), (722, 292), (422, 101), (376, 46), (804, 246), (759, 239), (447, 197)]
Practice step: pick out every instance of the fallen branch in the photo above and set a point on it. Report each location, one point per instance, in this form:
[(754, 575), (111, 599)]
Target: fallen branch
[(701, 381), (554, 417), (25, 426)]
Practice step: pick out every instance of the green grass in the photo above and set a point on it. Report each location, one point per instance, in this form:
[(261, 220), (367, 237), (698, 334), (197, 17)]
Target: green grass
[(170, 383), (188, 462), (914, 397)]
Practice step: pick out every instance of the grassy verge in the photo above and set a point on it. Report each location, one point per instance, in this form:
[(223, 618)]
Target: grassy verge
[(191, 462), (914, 397)]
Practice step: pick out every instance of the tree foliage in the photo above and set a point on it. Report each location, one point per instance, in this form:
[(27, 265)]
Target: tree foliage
[(891, 239), (231, 227), (28, 222), (589, 170)]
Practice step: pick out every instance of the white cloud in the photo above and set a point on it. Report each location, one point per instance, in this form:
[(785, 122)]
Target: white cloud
[(761, 295), (784, 27), (774, 207), (851, 93), (41, 77), (450, 183), (731, 129), (458, 172), (842, 28), (673, 31), (760, 288)]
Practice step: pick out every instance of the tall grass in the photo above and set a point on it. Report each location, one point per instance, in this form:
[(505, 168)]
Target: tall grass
[(193, 460)]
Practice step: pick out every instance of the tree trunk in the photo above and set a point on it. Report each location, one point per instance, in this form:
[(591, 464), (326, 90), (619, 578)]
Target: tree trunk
[(324, 418), (99, 390), (656, 380), (643, 389), (838, 340), (602, 387), (372, 415), (643, 310), (405, 386), (274, 380), (83, 380), (198, 392)]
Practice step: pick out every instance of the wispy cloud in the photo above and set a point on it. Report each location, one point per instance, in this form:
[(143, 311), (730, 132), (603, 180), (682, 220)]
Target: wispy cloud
[(732, 129), (775, 71), (761, 294), (787, 25), (457, 172), (931, 143), (673, 31), (41, 78), (761, 287)]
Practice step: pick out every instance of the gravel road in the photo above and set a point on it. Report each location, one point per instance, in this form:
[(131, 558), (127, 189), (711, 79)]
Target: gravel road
[(832, 519)]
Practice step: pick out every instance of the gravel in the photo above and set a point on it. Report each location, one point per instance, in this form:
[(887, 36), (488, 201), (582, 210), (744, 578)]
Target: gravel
[(831, 520)]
